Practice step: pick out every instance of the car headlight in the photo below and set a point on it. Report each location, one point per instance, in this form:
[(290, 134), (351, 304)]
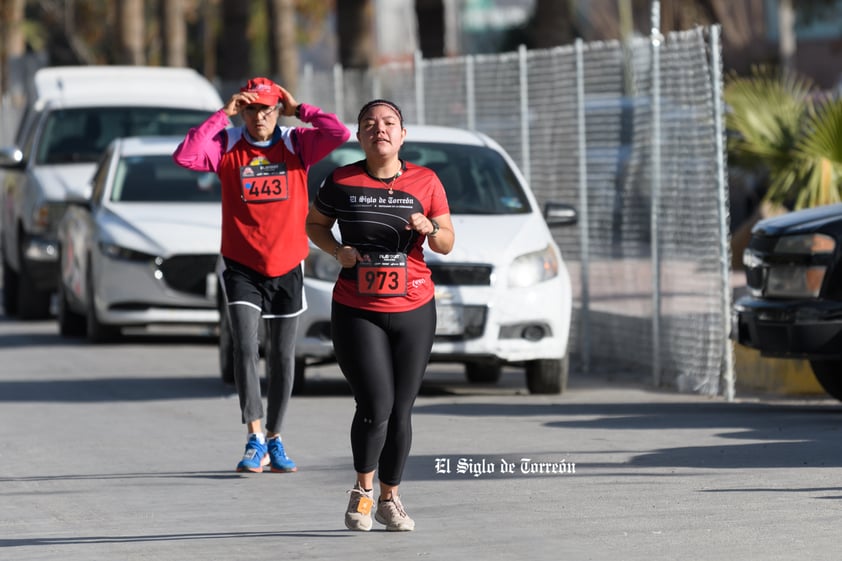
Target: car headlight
[(531, 268), (45, 216), (795, 281), (751, 259), (320, 265), (806, 244), (114, 251)]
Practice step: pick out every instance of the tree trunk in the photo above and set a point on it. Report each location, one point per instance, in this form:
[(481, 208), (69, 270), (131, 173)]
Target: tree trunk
[(210, 18), (13, 44), (233, 47), (283, 46), (431, 30), (174, 33), (132, 28), (355, 28), (552, 24)]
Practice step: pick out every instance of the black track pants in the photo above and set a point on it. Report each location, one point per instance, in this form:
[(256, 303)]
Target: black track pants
[(383, 356)]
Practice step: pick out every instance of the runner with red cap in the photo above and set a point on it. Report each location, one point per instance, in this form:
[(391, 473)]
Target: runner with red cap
[(263, 169)]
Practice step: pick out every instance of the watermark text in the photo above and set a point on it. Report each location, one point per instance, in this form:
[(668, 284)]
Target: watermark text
[(484, 466)]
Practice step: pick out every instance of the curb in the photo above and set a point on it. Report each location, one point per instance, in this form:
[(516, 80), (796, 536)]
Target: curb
[(780, 376)]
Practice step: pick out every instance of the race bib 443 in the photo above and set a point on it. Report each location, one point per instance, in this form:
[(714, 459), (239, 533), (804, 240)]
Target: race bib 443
[(264, 183)]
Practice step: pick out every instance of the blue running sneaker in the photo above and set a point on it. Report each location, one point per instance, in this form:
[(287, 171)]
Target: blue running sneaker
[(278, 459), (255, 456)]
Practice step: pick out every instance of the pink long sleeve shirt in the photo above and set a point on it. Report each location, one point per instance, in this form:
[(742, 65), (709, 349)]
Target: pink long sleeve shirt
[(264, 185)]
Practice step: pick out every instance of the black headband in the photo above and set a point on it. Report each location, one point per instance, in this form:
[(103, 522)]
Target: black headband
[(376, 102)]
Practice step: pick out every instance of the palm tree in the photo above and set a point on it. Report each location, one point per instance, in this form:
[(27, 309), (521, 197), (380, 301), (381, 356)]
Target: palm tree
[(781, 124)]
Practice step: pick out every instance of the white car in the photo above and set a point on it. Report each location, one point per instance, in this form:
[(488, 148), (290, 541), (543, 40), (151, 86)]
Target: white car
[(142, 249), (503, 294), (72, 114)]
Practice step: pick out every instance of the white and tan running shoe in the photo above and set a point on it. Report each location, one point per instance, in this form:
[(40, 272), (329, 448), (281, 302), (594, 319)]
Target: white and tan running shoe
[(391, 513), (358, 514)]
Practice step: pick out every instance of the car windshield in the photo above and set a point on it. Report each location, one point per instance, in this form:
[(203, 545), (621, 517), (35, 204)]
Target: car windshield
[(159, 179), (81, 134), (476, 178)]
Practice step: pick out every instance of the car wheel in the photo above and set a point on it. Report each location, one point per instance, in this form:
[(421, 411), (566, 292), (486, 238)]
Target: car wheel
[(829, 375), (32, 303), (10, 290), (97, 331), (298, 380), (483, 372), (70, 324), (547, 376)]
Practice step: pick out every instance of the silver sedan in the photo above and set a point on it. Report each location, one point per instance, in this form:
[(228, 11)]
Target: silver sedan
[(141, 250)]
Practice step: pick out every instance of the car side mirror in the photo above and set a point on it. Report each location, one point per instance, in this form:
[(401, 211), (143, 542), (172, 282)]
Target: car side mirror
[(560, 214), (11, 158)]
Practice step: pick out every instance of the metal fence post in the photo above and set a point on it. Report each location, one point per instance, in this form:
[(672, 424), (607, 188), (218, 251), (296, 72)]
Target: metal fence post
[(524, 114), (584, 261), (376, 84), (722, 192), (306, 86), (656, 39), (470, 93), (338, 96), (419, 87)]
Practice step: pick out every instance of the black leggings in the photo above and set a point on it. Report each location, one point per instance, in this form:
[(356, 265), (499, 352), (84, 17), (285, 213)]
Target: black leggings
[(383, 356)]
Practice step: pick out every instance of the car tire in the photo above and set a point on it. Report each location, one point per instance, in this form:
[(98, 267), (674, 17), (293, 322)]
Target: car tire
[(829, 375), (483, 372), (96, 331), (547, 376), (299, 376), (10, 290), (32, 303), (70, 324)]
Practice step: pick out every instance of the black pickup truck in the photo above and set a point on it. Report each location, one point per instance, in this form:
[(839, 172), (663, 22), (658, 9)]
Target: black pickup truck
[(793, 269)]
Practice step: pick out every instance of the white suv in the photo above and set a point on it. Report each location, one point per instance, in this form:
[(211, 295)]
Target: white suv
[(72, 116), (503, 294)]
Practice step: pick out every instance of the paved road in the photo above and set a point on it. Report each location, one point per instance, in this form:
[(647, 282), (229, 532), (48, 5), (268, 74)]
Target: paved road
[(126, 452)]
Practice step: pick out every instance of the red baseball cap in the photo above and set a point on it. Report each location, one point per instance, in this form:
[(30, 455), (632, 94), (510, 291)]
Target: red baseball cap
[(268, 91)]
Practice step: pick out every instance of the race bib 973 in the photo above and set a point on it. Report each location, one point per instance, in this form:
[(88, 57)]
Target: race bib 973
[(382, 274)]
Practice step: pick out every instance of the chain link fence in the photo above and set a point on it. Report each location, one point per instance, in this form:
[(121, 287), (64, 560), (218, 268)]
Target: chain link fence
[(632, 135)]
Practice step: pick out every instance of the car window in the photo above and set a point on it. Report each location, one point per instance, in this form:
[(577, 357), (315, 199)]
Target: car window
[(159, 179), (346, 154), (81, 134), (476, 178)]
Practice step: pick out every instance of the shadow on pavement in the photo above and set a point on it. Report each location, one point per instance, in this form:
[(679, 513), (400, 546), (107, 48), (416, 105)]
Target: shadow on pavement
[(141, 538), (747, 435)]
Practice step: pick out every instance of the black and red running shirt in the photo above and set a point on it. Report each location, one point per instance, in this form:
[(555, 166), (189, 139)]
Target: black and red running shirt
[(373, 221)]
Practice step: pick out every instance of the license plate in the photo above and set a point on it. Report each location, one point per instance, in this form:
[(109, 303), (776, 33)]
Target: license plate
[(449, 320)]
